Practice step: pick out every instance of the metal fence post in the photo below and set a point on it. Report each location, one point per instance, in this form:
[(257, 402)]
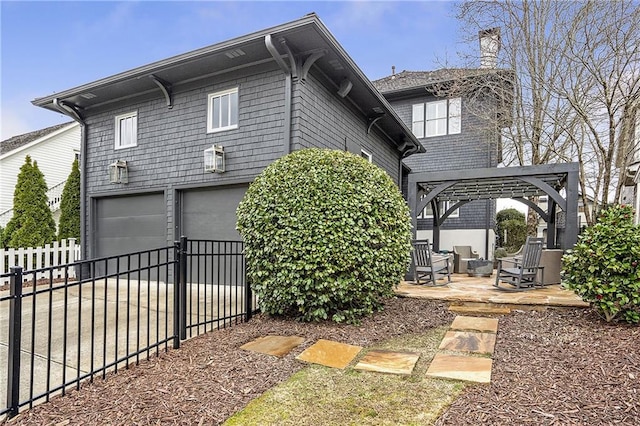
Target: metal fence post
[(176, 294), (248, 294), (15, 338), (183, 287)]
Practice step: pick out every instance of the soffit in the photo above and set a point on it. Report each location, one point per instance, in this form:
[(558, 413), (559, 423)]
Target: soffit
[(303, 37)]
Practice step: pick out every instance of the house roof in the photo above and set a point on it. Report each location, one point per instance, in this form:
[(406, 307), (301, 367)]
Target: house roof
[(410, 81), (304, 38), (19, 141)]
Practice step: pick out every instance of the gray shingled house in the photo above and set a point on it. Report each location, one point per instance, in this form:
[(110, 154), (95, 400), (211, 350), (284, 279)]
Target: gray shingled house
[(457, 115), (146, 132)]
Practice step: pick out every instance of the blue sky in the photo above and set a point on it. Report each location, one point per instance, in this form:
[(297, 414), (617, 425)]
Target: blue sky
[(50, 46)]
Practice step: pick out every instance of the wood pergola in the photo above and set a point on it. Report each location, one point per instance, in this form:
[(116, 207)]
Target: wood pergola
[(558, 181)]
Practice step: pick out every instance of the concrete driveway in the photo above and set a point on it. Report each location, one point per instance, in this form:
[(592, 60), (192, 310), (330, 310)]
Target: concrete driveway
[(87, 326)]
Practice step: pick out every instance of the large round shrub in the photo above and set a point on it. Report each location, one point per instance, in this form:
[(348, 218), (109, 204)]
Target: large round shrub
[(327, 235), (603, 268)]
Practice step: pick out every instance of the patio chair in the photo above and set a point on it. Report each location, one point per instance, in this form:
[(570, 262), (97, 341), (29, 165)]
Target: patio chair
[(429, 266), (521, 272), (462, 255)]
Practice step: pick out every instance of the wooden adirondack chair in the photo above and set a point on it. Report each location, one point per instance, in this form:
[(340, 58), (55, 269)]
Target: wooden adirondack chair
[(429, 266), (521, 272)]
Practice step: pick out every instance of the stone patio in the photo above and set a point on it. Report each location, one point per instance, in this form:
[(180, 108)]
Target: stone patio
[(464, 289)]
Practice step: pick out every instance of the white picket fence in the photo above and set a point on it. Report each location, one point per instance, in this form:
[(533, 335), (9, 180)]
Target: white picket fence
[(30, 258)]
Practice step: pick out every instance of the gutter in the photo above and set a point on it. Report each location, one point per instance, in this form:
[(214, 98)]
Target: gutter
[(410, 151), (76, 116)]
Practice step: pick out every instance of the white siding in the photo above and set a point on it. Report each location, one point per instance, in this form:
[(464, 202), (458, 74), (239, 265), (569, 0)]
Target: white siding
[(54, 155)]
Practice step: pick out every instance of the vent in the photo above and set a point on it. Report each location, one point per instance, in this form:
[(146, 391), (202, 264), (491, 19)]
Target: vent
[(88, 95), (235, 53), (336, 64)]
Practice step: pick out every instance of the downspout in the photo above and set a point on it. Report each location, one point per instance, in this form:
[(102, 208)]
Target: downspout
[(287, 92), (404, 155), (70, 112)]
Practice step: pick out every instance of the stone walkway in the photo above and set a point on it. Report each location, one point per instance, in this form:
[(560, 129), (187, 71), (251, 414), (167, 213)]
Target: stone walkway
[(464, 353)]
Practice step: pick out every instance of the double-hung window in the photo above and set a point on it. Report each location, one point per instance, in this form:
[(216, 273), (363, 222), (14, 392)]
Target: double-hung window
[(126, 130), (222, 110), (437, 118)]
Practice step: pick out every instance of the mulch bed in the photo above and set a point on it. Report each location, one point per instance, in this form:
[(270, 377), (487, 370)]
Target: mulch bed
[(560, 367), (555, 367)]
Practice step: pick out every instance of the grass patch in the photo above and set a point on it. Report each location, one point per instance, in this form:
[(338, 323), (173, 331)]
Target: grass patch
[(318, 395)]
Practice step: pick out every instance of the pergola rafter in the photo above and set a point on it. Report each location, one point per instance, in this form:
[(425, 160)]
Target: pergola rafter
[(519, 183)]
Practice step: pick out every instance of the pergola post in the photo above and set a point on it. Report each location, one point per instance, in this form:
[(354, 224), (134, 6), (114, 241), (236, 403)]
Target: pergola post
[(436, 225), (412, 195), (571, 230), (551, 225)]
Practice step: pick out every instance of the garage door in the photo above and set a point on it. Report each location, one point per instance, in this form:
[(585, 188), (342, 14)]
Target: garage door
[(129, 224), (211, 214)]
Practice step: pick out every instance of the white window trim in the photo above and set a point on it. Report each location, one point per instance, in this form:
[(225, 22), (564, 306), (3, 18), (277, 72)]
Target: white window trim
[(424, 215), (423, 121), (118, 119), (366, 155), (210, 98)]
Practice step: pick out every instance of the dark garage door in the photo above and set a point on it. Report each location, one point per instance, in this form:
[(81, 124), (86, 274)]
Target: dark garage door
[(211, 214), (129, 224)]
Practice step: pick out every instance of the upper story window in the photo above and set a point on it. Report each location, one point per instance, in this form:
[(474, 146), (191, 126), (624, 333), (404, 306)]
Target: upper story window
[(126, 130), (437, 118), (222, 110), (366, 155)]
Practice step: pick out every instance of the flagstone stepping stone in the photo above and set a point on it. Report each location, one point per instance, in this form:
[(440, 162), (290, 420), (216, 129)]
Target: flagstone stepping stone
[(330, 354), (273, 345), (475, 323), (463, 341), (483, 310), (460, 367), (388, 362)]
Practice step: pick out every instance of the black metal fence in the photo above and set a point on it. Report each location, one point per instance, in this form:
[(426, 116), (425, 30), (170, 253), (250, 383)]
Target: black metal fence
[(108, 313)]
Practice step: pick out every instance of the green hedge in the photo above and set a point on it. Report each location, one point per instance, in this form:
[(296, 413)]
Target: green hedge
[(327, 235)]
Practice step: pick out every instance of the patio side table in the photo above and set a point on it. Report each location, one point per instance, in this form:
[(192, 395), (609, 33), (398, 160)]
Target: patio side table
[(479, 268)]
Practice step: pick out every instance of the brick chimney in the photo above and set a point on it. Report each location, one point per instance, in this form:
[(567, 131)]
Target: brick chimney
[(489, 47)]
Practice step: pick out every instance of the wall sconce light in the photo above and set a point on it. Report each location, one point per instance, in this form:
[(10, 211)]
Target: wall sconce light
[(214, 159), (118, 172)]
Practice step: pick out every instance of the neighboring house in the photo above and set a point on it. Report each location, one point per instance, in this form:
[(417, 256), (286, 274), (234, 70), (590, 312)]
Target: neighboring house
[(543, 203), (53, 148), (458, 121), (629, 160), (258, 97)]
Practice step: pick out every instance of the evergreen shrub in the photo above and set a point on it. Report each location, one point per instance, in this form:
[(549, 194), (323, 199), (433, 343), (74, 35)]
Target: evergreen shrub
[(327, 236), (69, 226), (603, 266), (32, 224), (514, 223)]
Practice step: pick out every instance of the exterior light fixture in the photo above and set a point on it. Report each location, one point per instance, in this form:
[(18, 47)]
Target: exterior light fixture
[(214, 159), (118, 172)]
